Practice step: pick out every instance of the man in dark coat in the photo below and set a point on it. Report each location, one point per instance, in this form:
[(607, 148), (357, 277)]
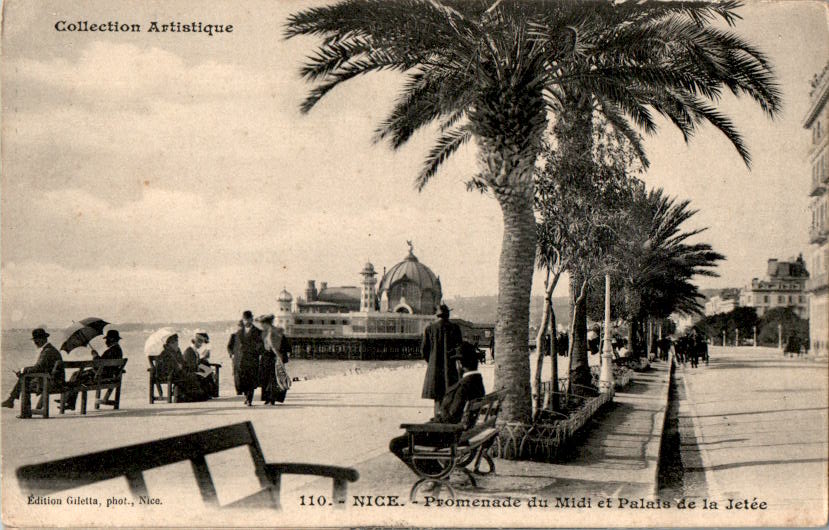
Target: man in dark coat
[(469, 387), (48, 361), (245, 347), (113, 351), (441, 340)]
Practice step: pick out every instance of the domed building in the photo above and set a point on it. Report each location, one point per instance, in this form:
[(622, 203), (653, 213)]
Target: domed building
[(365, 321), (410, 287)]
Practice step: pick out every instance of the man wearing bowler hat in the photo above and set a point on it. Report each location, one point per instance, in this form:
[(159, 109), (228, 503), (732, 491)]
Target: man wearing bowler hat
[(113, 351), (48, 361), (441, 339)]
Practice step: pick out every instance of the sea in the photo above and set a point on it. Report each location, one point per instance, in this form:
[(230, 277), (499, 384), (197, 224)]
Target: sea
[(17, 350)]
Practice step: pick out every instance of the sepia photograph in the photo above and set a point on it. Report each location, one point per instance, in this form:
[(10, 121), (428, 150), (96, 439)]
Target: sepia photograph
[(414, 263)]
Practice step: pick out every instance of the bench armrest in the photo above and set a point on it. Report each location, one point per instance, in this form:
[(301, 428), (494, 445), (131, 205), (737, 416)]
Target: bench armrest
[(215, 365), (423, 428)]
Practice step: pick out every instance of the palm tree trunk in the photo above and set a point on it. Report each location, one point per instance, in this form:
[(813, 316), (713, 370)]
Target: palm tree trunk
[(579, 365), (515, 275)]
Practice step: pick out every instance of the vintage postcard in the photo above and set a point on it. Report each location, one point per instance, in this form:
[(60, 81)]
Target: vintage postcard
[(430, 263)]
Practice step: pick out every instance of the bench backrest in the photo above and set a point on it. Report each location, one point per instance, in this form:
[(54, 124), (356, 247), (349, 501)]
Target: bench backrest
[(483, 412), (131, 461), (111, 367)]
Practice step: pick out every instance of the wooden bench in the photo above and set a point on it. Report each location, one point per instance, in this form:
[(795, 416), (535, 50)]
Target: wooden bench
[(454, 446), (131, 461), (157, 382), (102, 380)]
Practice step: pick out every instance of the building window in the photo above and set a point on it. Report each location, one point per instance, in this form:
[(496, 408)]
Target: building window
[(780, 299), (765, 299)]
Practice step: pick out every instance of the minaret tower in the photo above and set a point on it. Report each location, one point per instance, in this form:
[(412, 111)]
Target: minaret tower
[(368, 294)]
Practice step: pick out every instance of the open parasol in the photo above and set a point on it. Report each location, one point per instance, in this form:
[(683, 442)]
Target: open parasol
[(155, 342), (80, 333)]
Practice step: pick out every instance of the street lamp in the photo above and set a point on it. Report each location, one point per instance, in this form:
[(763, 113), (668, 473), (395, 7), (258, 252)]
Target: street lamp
[(737, 337), (606, 374), (755, 336), (780, 336)]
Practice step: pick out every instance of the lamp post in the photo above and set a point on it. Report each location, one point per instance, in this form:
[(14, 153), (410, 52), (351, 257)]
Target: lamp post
[(606, 374), (723, 338), (755, 336), (780, 336), (737, 338)]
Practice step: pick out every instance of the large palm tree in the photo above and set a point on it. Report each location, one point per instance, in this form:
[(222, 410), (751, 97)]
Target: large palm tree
[(491, 70)]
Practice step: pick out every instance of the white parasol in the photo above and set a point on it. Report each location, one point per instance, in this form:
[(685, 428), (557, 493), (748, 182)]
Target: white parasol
[(155, 342)]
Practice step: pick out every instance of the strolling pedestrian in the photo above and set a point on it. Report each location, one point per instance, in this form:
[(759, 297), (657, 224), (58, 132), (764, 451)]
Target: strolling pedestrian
[(245, 348), (48, 361), (441, 340), (274, 378)]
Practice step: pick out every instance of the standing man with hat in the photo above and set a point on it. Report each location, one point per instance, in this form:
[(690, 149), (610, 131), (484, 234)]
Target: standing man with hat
[(113, 351), (48, 361), (441, 340), (245, 348)]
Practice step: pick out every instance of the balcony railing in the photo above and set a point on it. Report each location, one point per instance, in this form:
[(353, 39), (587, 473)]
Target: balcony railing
[(817, 234)]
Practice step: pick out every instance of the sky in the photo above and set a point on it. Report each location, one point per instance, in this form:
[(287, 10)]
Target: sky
[(171, 177)]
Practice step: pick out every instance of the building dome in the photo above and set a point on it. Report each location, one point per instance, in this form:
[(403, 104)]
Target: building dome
[(411, 287), (284, 296)]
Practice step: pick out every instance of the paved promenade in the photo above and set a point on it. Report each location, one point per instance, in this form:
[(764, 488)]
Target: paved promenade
[(758, 422), (755, 423)]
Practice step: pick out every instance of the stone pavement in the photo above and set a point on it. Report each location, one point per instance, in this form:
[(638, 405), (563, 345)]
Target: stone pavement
[(760, 429)]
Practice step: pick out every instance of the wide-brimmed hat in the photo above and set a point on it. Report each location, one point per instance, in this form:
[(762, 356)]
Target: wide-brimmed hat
[(113, 335), (269, 318), (203, 334), (443, 310), (39, 333)]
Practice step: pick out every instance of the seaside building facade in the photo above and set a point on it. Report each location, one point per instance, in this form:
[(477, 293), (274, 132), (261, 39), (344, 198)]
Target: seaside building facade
[(375, 320), (783, 286), (817, 122)]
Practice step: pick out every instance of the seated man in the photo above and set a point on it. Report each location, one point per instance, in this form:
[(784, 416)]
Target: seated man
[(86, 376), (469, 387), (48, 361)]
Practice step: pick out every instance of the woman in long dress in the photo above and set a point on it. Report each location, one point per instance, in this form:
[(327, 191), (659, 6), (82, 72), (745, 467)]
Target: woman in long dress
[(274, 379)]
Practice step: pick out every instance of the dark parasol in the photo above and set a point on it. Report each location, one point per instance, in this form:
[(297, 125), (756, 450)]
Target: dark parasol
[(80, 333)]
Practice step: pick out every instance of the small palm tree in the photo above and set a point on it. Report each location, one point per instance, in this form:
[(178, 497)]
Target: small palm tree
[(492, 70), (659, 262)]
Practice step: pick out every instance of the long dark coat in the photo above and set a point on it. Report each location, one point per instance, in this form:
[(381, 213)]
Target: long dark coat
[(245, 350), (276, 344), (440, 341)]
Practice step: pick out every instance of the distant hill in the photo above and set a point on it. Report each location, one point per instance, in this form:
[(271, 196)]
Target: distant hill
[(483, 309)]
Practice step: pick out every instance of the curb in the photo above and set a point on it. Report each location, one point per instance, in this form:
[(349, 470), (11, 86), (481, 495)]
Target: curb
[(660, 419), (711, 483)]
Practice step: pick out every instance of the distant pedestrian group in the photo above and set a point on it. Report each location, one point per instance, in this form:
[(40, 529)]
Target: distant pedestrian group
[(259, 358)]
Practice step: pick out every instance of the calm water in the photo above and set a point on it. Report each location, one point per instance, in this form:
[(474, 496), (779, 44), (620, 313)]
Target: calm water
[(17, 350)]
